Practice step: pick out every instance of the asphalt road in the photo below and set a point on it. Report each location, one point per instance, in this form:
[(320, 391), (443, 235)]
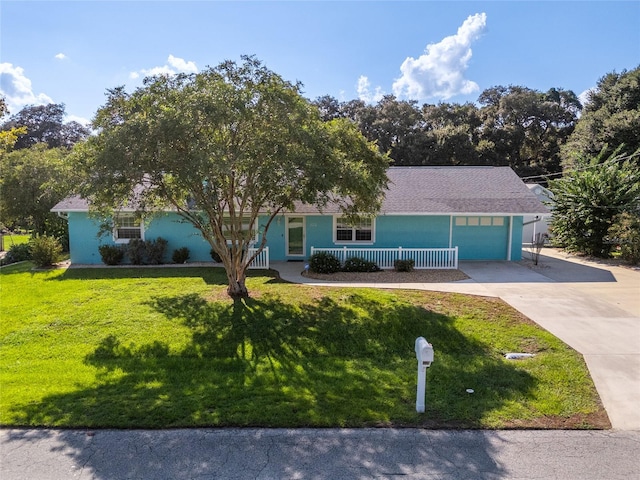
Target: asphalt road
[(318, 454)]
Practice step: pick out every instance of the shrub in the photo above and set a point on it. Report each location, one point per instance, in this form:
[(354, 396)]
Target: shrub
[(155, 250), (18, 253), (136, 250), (45, 250), (180, 255), (626, 232), (324, 262), (214, 256), (356, 264), (404, 265), (111, 254)]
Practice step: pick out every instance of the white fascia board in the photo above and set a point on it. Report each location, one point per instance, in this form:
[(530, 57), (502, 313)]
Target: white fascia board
[(462, 214)]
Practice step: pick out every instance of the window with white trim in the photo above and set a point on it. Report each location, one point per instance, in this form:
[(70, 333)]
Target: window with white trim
[(127, 226), (360, 231), (479, 221), (246, 229)]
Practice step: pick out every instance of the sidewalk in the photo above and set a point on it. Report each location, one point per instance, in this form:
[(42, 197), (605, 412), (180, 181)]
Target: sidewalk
[(593, 307)]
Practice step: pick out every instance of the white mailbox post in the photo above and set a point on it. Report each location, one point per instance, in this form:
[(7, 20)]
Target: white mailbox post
[(424, 354)]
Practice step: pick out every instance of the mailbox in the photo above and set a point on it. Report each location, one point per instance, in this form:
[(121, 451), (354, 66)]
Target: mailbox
[(424, 352)]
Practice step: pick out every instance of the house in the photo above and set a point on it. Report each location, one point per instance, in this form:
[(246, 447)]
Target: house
[(537, 224), (479, 210)]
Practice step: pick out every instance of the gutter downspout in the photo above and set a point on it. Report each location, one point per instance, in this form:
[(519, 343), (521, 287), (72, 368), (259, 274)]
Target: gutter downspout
[(537, 219), (450, 230)]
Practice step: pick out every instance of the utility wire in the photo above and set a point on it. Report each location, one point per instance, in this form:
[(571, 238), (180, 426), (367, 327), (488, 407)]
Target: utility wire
[(617, 159)]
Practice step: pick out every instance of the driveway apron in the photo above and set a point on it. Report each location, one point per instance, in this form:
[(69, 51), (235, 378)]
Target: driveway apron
[(595, 309)]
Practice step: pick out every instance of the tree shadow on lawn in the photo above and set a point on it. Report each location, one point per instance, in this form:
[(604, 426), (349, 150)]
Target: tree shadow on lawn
[(212, 275), (262, 362)]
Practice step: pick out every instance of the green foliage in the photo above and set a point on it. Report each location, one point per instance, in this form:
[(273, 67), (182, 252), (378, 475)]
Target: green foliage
[(611, 118), (235, 134), (111, 254), (587, 200), (180, 255), (136, 251), (214, 256), (146, 251), (404, 265), (355, 264), (625, 232), (155, 250), (32, 181), (514, 126), (45, 250), (44, 124), (18, 253), (324, 262)]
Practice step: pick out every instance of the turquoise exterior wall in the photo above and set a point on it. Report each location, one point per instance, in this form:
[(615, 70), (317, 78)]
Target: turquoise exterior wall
[(412, 231), (475, 242), (84, 242)]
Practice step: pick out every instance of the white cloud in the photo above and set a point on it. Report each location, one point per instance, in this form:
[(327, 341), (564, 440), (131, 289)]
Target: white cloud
[(181, 65), (439, 72), (61, 56), (364, 92), (75, 118), (584, 96), (17, 89), (174, 65)]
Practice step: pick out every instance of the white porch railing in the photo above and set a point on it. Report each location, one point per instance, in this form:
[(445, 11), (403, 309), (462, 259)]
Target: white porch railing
[(424, 258), (261, 261)]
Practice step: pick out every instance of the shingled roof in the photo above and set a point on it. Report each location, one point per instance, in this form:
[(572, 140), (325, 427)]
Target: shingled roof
[(453, 190), (459, 190), (433, 191)]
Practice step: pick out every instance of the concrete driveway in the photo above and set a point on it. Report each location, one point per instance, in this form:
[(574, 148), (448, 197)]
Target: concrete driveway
[(593, 307)]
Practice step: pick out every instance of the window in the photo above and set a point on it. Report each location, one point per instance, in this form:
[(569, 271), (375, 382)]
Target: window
[(354, 232), (246, 230), (126, 227), (479, 221)]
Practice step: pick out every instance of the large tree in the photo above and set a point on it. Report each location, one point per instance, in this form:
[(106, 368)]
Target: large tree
[(588, 199), (611, 118), (223, 147), (32, 181), (45, 124), (525, 128)]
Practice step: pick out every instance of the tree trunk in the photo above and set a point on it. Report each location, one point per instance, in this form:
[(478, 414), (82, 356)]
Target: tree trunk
[(236, 275), (237, 287)]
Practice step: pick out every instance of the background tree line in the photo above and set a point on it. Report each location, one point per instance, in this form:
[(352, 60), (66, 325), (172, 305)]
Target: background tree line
[(541, 135), (35, 173)]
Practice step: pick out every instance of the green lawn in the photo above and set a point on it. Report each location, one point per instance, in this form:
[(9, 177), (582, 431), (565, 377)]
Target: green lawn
[(11, 239), (165, 347)]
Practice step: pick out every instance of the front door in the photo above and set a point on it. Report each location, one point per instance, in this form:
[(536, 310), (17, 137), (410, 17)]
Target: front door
[(295, 236)]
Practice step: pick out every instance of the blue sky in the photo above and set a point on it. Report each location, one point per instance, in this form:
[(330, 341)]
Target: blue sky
[(430, 51)]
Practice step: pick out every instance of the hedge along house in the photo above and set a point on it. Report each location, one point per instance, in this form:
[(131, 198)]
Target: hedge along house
[(479, 210)]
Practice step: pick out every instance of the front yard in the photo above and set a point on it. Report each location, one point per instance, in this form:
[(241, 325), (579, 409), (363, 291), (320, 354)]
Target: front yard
[(165, 347)]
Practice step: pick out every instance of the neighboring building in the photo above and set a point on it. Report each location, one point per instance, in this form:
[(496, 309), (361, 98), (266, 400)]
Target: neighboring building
[(480, 210), (537, 224)]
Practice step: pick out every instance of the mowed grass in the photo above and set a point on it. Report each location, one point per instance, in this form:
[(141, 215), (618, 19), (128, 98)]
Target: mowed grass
[(11, 240), (165, 347)]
